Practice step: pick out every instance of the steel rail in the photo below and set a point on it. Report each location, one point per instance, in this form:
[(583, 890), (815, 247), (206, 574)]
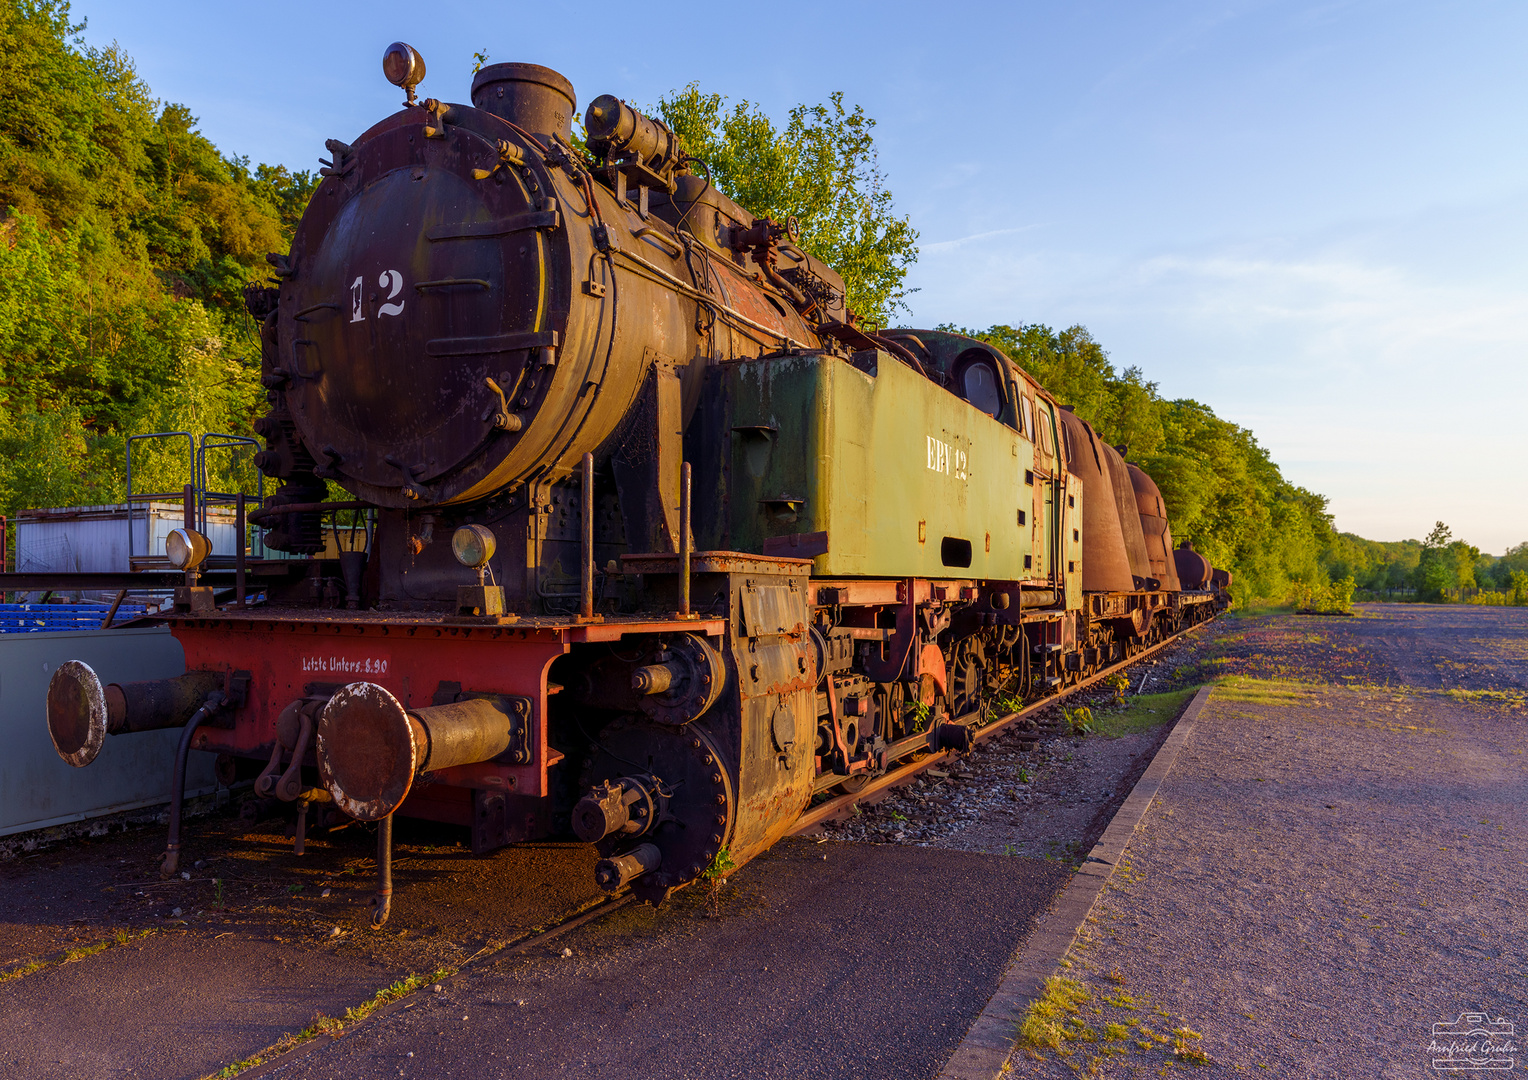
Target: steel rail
[(490, 953), (839, 806)]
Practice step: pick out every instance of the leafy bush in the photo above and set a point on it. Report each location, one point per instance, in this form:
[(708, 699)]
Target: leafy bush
[(1336, 596)]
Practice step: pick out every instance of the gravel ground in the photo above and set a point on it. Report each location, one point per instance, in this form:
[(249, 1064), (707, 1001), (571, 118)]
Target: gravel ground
[(1049, 802), (1330, 870)]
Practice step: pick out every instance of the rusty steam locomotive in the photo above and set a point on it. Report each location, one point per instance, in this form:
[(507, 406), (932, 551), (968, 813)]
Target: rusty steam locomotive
[(664, 543)]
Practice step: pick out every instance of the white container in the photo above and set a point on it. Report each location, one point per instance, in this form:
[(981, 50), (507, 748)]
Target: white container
[(95, 538)]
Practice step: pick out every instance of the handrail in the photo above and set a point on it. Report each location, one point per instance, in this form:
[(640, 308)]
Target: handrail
[(141, 497), (216, 440)]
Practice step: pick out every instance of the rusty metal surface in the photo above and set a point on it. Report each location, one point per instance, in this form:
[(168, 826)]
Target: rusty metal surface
[(482, 331), (1194, 570), (412, 282), (533, 97), (1105, 559), (696, 802), (368, 750), (842, 806), (159, 703), (1159, 538), (1129, 514), (76, 712)]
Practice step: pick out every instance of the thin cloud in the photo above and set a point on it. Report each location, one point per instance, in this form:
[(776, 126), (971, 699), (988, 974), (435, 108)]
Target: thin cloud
[(950, 245), (1374, 369)]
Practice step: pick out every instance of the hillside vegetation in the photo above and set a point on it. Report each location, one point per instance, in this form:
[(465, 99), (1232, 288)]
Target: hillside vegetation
[(1438, 568), (127, 239), (126, 242)]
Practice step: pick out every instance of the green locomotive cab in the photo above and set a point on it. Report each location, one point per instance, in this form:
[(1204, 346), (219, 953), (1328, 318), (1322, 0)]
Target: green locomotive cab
[(875, 469)]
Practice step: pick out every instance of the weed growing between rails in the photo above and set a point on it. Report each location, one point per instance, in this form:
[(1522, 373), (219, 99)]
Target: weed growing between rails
[(71, 956), (331, 1025), (715, 877), (1137, 714)]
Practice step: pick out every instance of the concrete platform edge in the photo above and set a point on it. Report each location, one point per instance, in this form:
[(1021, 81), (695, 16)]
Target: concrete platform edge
[(983, 1054)]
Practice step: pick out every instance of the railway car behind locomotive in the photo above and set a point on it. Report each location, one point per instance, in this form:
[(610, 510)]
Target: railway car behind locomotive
[(665, 541)]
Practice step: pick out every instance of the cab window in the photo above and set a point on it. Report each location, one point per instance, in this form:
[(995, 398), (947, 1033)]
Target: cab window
[(980, 388), (1027, 419), (1047, 441)]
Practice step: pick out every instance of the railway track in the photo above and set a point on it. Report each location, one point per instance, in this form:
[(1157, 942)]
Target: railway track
[(841, 806), (274, 1059)]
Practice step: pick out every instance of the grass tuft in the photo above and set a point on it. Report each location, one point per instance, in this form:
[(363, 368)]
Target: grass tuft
[(70, 956), (1263, 691), (1054, 1018), (1141, 713), (1186, 1046), (1511, 699), (331, 1025)]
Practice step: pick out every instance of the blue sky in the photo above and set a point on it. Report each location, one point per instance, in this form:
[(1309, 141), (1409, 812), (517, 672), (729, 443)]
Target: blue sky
[(1311, 216)]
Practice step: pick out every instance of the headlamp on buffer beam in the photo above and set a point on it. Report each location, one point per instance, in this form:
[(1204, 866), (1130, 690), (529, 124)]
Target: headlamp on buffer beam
[(187, 549), (473, 546)]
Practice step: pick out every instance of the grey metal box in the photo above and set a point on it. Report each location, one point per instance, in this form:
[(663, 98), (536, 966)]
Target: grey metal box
[(36, 788)]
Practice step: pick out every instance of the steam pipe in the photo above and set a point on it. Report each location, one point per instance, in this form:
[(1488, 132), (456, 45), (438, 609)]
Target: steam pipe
[(382, 903), (586, 567), (686, 541), (171, 862)]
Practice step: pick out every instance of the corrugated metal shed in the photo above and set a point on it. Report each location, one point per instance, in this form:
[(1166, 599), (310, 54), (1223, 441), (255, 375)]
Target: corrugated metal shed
[(95, 538), (37, 789)]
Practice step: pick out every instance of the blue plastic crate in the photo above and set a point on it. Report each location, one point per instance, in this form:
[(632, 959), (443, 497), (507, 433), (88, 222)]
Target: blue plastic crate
[(36, 618)]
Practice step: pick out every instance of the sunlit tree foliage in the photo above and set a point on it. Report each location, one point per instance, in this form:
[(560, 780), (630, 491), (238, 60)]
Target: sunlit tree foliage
[(125, 244), (822, 169)]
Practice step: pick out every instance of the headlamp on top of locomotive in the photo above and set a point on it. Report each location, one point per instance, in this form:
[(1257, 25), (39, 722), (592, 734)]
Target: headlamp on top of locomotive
[(404, 68)]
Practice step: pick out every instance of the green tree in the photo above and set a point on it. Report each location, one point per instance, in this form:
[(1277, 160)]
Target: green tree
[(1437, 567), (1222, 490), (823, 170)]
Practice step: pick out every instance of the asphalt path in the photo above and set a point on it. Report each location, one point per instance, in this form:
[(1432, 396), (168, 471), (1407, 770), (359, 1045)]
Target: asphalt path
[(830, 961), (193, 975)]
